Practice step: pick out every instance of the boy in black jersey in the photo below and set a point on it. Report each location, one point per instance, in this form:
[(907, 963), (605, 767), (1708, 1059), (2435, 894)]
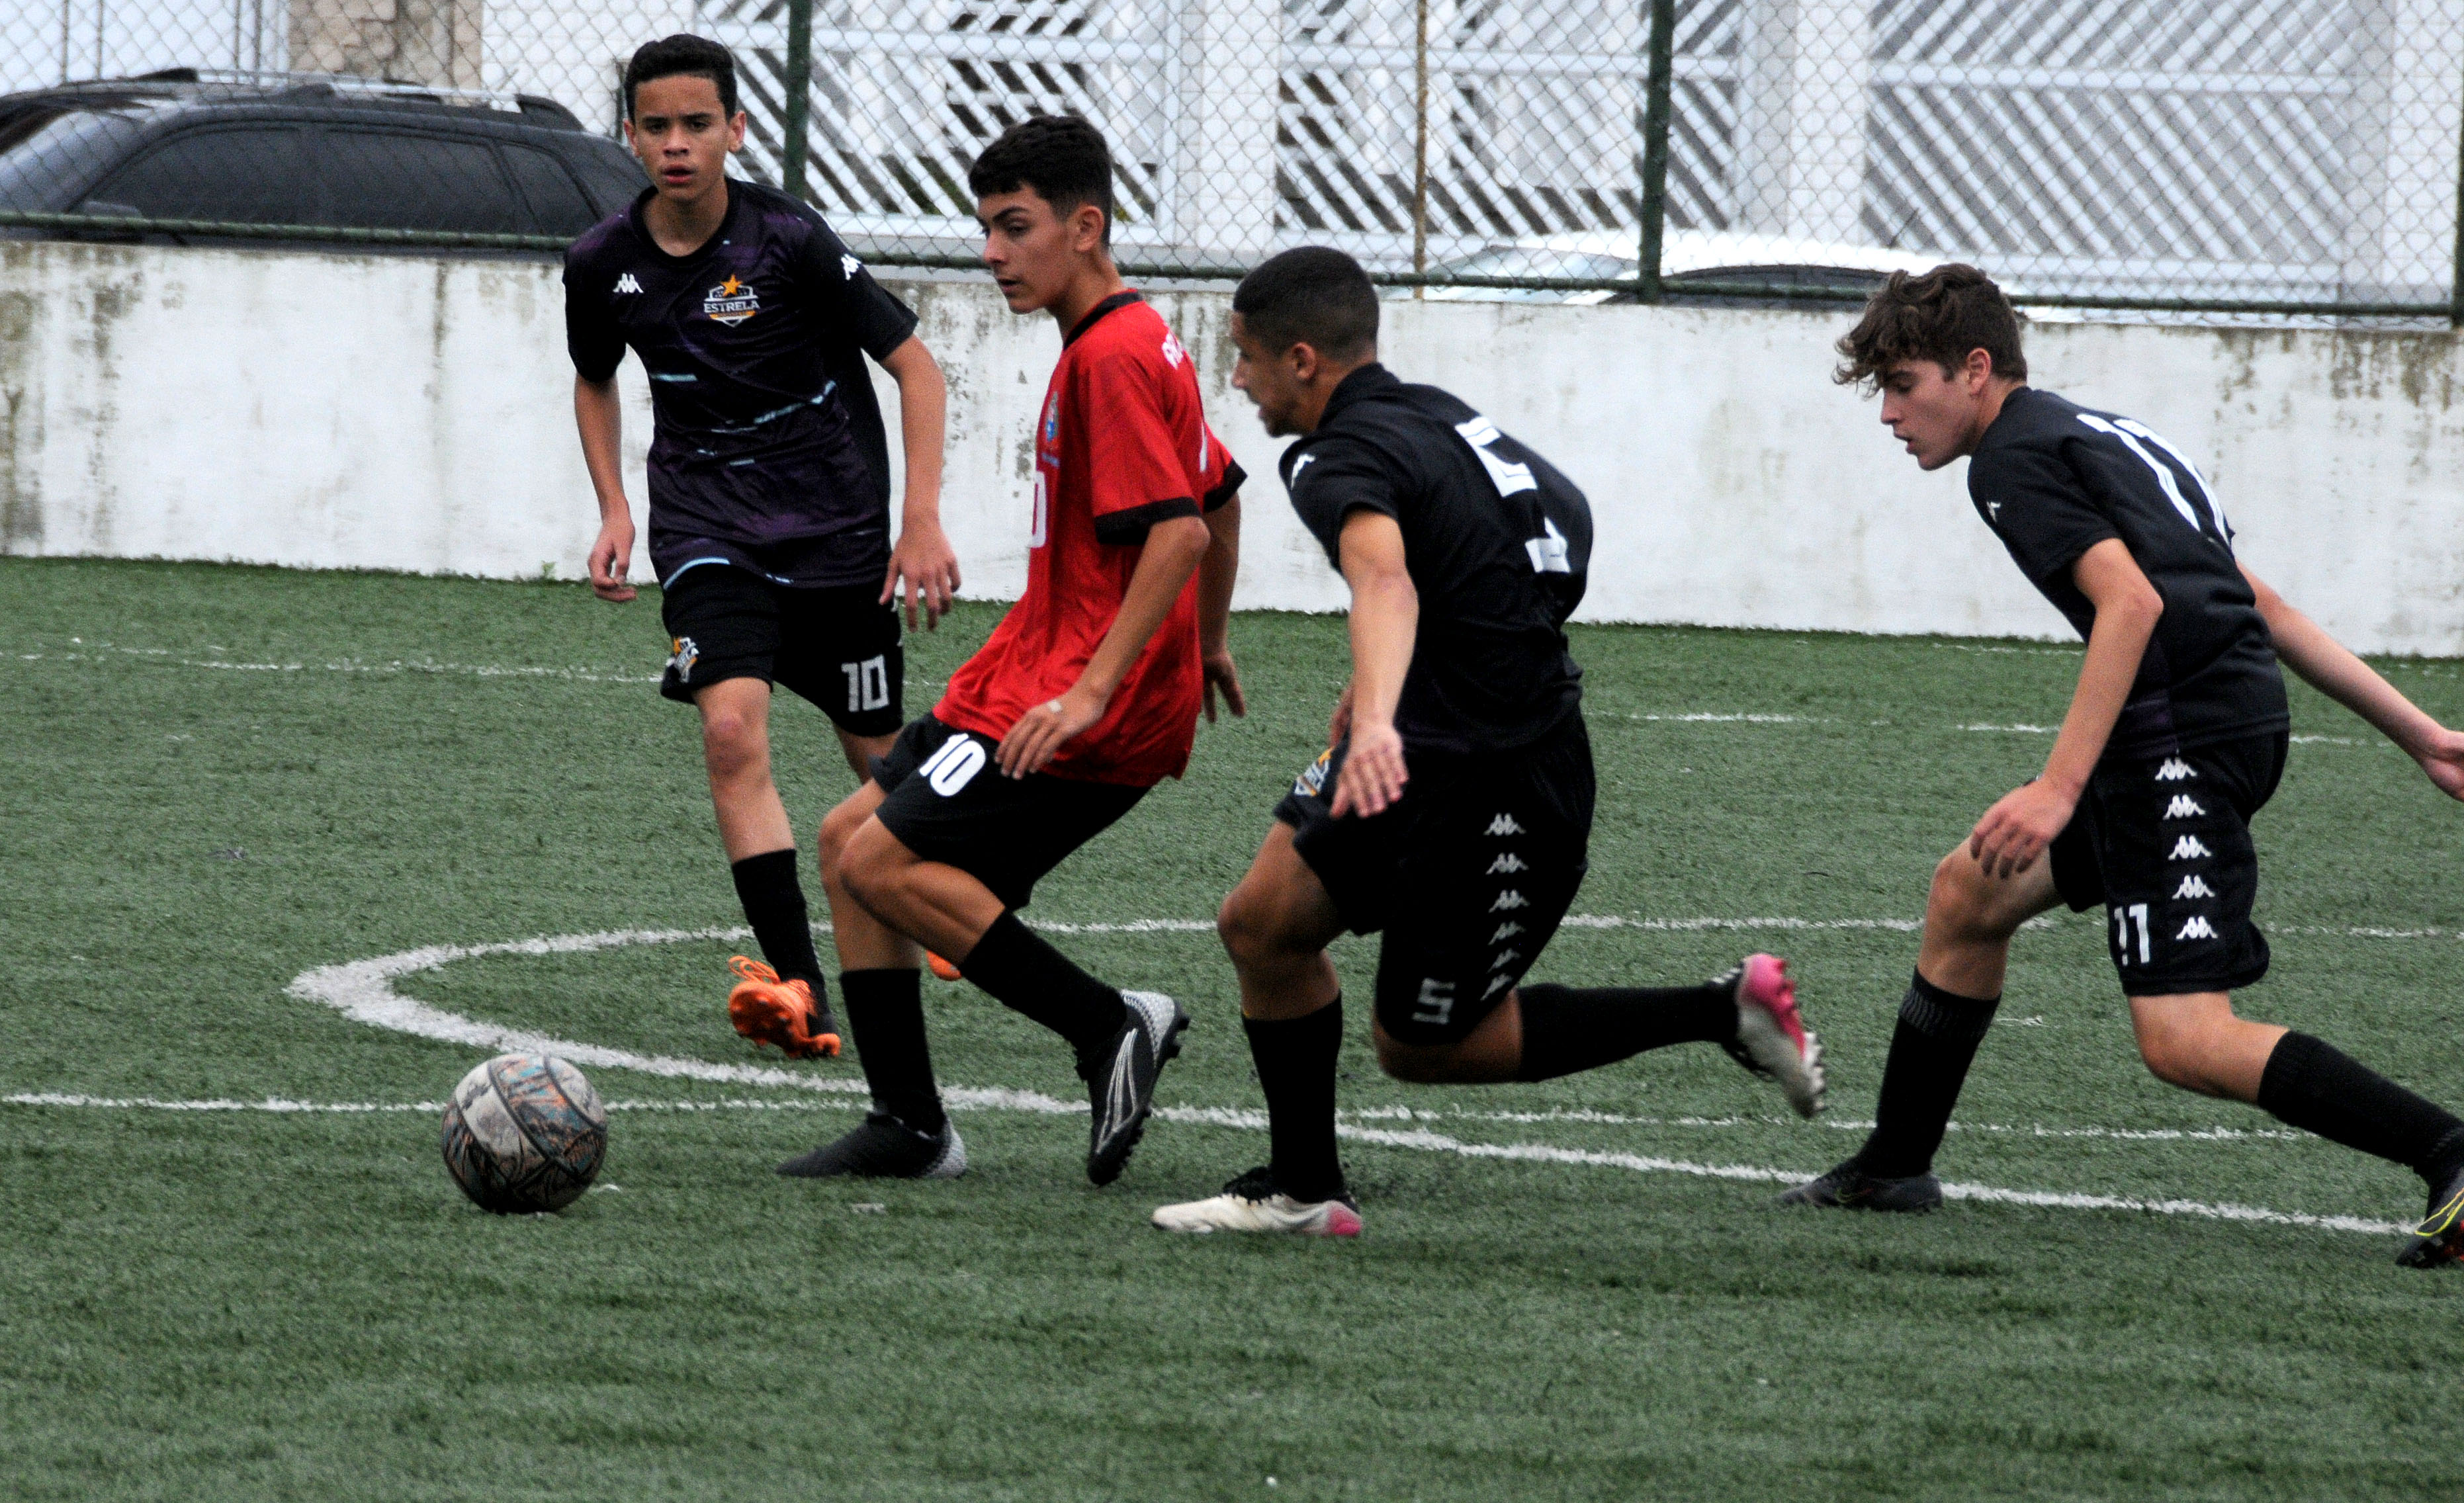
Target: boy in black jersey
[(2174, 739), (1454, 807), (769, 481)]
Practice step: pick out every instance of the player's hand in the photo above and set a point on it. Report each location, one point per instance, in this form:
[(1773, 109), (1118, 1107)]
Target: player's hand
[(1042, 732), (2443, 759), (1372, 776), (1217, 666), (1339, 723), (610, 558), (925, 564), (2017, 830)]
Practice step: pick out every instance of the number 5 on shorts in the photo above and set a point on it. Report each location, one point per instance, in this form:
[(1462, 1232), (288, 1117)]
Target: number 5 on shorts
[(953, 765)]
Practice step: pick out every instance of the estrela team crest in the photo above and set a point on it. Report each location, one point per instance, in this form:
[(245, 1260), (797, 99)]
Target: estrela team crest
[(731, 302)]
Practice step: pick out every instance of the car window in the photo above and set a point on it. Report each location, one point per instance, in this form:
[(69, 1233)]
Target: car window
[(239, 174), (608, 171), (556, 206), (401, 179)]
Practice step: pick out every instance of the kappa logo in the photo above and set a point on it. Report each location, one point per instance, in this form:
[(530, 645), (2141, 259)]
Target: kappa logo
[(849, 266), (1496, 985), (2174, 770), (1508, 863), (626, 284), (1505, 932), (2188, 849), (2183, 806), (2193, 886), (1172, 353), (2197, 928), (682, 655), (1508, 900), (1299, 465), (1994, 508), (731, 302), (1504, 824), (1505, 959)]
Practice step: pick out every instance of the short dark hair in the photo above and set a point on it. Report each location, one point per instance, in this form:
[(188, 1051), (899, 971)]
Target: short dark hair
[(1061, 157), (1312, 295), (1937, 316), (682, 55)]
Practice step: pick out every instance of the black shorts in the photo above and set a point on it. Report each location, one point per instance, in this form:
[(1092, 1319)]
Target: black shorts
[(949, 802), (1468, 875), (836, 645), (2163, 843)]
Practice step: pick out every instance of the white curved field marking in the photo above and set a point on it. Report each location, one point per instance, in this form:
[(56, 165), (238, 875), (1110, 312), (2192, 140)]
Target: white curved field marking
[(1419, 1140), (363, 991)]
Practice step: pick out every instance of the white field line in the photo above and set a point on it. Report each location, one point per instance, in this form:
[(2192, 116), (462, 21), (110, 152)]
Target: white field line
[(363, 991), (1415, 1139)]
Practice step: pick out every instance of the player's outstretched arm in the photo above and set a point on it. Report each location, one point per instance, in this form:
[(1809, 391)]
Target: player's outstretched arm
[(2017, 830), (2330, 668), (1215, 573), (1385, 622), (922, 557), (598, 413), (1166, 560)]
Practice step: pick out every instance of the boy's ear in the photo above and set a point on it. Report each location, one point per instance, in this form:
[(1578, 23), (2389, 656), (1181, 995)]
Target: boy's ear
[(1086, 226)]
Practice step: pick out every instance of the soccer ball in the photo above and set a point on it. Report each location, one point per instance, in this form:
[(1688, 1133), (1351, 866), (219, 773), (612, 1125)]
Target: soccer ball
[(524, 1132)]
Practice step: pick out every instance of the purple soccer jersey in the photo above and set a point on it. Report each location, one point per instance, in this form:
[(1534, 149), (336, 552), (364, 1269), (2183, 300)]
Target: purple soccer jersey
[(768, 450)]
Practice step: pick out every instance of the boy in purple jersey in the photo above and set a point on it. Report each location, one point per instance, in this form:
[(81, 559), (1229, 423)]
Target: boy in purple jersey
[(769, 481)]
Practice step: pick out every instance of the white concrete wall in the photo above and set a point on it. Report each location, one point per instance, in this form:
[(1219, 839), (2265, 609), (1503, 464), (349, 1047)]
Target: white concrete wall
[(387, 412)]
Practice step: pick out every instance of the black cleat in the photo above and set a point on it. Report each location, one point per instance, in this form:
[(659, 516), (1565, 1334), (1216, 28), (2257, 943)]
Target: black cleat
[(2439, 1239), (1122, 1089), (885, 1149), (1848, 1188)]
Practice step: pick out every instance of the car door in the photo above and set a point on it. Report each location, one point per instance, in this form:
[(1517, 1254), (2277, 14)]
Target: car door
[(557, 204)]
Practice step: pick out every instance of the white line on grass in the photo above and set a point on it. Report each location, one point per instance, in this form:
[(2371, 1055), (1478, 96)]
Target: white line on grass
[(363, 991), (1415, 1139)]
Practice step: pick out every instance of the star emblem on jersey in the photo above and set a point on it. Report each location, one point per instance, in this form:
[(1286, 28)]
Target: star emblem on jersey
[(626, 284), (731, 302)]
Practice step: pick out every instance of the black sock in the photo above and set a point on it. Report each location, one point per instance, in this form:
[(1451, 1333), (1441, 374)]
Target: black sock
[(1566, 1029), (773, 904), (884, 1012), (2315, 1087), (1931, 1049), (1295, 1059), (1024, 973)]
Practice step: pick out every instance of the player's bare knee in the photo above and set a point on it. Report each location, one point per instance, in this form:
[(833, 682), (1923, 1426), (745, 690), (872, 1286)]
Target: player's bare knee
[(1409, 1062), (733, 744), (867, 864), (1966, 906), (1246, 925), (2174, 1055), (838, 827)]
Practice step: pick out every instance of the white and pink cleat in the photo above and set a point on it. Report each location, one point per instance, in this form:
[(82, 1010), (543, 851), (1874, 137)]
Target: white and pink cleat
[(1255, 1203), (1771, 1039)]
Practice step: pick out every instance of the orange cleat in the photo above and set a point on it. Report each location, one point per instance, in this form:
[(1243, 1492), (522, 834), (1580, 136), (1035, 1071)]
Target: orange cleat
[(769, 1011), (942, 968)]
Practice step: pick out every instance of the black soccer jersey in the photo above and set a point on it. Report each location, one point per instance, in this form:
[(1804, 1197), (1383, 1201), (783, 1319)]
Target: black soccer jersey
[(1497, 543), (768, 452), (2053, 480)]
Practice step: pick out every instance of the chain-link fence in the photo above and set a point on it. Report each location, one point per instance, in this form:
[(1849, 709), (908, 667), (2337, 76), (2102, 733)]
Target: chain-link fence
[(2238, 158)]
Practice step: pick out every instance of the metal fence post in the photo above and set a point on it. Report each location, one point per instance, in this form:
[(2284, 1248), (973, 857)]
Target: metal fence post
[(2455, 288), (1654, 142), (1421, 148), (798, 77)]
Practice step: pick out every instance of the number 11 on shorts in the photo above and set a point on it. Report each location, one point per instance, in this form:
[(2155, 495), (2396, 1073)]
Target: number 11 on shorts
[(2122, 919)]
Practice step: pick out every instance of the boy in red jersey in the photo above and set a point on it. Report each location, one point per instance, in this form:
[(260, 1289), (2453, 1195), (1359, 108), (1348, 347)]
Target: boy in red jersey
[(1086, 696)]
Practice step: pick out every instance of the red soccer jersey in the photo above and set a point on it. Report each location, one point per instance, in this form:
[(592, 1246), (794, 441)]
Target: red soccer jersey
[(1122, 446)]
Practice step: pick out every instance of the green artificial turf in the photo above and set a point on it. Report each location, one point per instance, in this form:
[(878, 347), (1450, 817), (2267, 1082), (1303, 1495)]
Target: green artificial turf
[(221, 778)]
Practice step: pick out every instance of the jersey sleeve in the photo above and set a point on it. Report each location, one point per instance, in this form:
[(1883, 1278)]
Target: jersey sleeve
[(591, 335), (1334, 478), (2040, 509), (1136, 475), (1221, 476), (844, 293)]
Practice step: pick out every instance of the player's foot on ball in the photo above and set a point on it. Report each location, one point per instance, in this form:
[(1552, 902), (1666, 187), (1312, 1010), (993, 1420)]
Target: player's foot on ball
[(1772, 1039), (769, 1011), (1255, 1203), (1121, 1087), (942, 968), (1848, 1188), (885, 1149), (2439, 1239)]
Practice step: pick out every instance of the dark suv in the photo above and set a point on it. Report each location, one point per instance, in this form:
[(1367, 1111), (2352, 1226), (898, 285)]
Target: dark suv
[(308, 153)]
